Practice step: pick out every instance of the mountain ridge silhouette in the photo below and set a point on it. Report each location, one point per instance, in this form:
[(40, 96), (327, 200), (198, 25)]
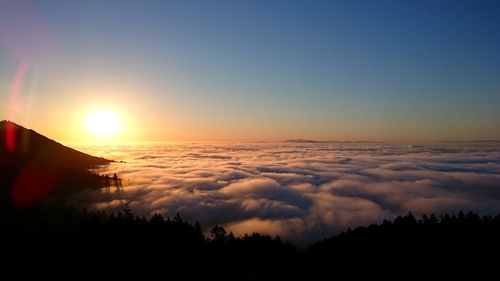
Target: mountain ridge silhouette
[(34, 167), (27, 143)]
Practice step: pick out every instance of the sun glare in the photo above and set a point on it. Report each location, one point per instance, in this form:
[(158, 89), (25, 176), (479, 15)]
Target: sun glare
[(103, 123)]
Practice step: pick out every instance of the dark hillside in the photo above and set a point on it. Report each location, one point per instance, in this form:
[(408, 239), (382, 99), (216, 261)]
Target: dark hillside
[(33, 166)]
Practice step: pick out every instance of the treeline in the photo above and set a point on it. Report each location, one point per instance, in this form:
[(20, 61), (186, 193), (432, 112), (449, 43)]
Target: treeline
[(130, 242), (409, 233), (450, 244)]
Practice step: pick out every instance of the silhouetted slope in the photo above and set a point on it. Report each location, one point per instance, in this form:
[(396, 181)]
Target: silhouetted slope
[(17, 141), (32, 167)]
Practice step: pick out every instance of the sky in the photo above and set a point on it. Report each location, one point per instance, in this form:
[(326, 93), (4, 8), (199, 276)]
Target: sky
[(254, 70)]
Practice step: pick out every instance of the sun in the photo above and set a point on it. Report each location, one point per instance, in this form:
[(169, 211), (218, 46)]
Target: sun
[(103, 123)]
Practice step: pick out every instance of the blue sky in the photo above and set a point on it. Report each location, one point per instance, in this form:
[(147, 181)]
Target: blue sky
[(224, 70)]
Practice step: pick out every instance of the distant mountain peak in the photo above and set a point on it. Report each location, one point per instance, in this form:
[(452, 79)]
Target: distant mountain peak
[(301, 141)]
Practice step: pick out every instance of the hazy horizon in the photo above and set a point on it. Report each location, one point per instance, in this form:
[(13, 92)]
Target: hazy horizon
[(112, 142)]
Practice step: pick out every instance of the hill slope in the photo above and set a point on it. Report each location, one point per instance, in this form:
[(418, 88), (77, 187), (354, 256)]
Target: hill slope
[(26, 144), (32, 167)]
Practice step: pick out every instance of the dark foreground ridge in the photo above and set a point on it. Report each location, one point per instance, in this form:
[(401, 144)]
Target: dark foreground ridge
[(126, 244), (25, 144), (33, 167)]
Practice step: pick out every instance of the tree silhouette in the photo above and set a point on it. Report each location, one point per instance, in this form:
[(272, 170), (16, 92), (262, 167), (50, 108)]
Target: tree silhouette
[(157, 219), (128, 239), (127, 213), (218, 234)]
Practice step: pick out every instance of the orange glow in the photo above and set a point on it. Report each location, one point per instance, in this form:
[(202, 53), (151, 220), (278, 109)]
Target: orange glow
[(103, 123)]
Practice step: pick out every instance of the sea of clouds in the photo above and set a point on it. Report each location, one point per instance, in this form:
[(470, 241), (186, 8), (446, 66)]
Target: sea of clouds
[(301, 191)]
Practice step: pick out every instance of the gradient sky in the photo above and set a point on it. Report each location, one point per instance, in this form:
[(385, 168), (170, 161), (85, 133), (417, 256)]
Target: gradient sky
[(254, 70)]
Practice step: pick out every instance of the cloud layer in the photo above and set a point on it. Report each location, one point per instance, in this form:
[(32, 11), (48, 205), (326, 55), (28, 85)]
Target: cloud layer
[(302, 192)]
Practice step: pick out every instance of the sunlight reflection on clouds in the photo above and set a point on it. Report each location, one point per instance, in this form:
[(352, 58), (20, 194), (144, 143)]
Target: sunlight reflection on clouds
[(303, 192)]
